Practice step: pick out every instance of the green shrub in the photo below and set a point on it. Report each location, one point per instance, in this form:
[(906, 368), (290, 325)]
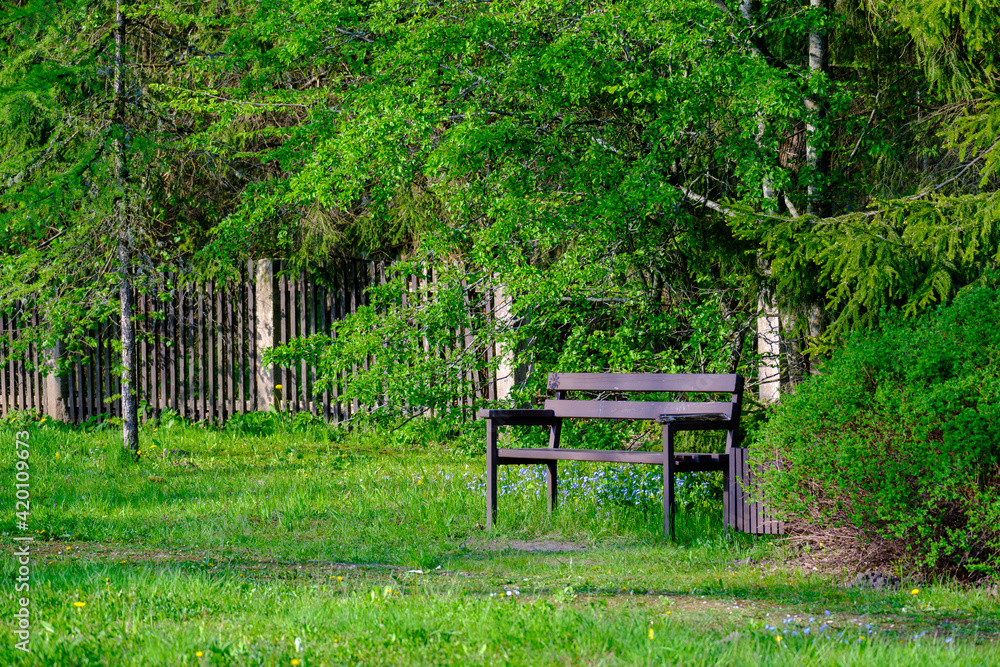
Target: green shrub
[(898, 441)]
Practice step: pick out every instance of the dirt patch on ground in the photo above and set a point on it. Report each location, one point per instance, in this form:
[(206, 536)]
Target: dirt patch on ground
[(49, 553), (536, 546), (96, 551)]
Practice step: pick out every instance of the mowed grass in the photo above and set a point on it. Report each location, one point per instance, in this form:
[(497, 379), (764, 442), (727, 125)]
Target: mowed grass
[(266, 547)]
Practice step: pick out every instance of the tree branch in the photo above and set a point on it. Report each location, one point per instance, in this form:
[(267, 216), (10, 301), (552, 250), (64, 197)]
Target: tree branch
[(705, 201)]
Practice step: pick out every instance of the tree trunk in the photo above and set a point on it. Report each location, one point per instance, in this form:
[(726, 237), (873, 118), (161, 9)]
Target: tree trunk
[(130, 425), (817, 157), (768, 321), (768, 344), (818, 162)]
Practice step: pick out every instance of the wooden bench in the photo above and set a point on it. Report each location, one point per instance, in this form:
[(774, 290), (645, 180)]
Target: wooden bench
[(673, 417)]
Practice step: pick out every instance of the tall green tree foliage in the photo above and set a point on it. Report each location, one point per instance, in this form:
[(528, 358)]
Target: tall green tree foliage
[(588, 162), (606, 176), (90, 162), (914, 215), (593, 158), (555, 158)]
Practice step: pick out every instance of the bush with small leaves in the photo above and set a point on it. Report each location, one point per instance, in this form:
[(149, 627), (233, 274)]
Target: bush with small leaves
[(897, 441)]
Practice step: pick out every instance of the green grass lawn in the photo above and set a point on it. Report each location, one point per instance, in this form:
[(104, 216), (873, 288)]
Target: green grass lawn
[(303, 547)]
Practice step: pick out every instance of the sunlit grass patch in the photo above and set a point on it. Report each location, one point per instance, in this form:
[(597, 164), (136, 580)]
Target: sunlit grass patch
[(269, 547)]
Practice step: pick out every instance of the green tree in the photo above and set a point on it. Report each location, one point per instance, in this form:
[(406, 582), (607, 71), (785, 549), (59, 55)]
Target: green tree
[(914, 216), (88, 152), (561, 155)]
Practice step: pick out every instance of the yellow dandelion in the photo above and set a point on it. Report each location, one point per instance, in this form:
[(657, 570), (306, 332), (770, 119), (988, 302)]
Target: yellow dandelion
[(198, 654), (295, 661), (277, 386), (915, 591), (68, 548), (78, 605), (651, 633), (57, 454), (340, 578), (777, 638)]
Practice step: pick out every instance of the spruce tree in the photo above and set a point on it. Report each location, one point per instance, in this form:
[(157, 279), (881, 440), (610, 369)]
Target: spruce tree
[(88, 148)]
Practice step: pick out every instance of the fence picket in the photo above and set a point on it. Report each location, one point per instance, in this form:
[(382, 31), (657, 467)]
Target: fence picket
[(4, 364), (171, 347), (251, 334)]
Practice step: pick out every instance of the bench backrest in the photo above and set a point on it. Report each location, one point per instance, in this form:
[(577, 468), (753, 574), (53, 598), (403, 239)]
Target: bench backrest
[(677, 382), (561, 383)]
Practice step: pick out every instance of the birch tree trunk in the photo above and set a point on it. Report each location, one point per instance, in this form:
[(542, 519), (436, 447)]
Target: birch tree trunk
[(818, 162), (130, 425), (768, 320), (817, 157)]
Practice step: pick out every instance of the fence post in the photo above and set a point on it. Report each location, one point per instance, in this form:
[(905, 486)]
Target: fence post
[(508, 375), (264, 327), (505, 368), (55, 388)]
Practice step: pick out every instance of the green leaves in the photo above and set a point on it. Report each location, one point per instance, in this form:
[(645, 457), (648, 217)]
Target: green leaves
[(956, 40), (911, 252), (895, 441), (975, 134)]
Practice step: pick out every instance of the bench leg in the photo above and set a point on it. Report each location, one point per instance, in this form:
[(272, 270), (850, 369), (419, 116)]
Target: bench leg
[(553, 481), (491, 473), (553, 477), (668, 482)]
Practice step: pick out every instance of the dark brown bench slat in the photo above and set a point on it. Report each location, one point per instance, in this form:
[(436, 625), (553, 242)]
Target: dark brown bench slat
[(713, 417), (694, 382), (696, 462), (520, 455), (683, 461), (520, 417), (571, 409)]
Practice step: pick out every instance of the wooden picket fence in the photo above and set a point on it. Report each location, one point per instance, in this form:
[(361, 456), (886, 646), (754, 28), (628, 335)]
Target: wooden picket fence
[(739, 509), (22, 386), (199, 348), (308, 305), (195, 354)]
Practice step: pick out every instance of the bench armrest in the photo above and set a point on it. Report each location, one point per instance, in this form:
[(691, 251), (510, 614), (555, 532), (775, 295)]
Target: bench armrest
[(520, 417), (682, 418)]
